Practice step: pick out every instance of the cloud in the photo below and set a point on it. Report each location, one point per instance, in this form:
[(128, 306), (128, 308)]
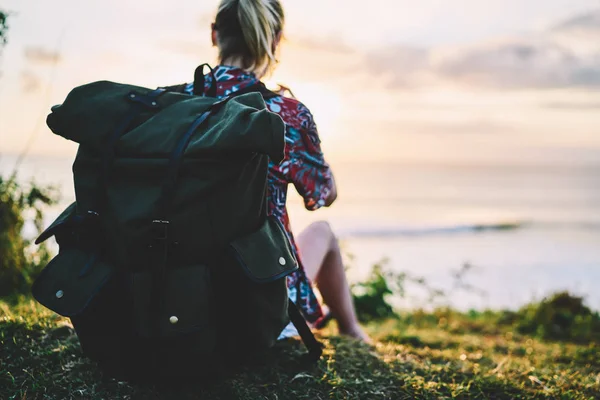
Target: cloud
[(30, 82), (589, 21), (331, 44), (479, 126), (567, 55), (189, 48), (577, 106), (41, 56), (400, 66), (520, 63), (580, 34)]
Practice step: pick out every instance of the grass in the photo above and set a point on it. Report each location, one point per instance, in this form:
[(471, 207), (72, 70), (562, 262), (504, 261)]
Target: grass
[(421, 355)]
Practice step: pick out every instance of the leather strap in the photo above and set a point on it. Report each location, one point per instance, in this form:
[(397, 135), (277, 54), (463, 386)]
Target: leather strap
[(199, 82), (315, 348)]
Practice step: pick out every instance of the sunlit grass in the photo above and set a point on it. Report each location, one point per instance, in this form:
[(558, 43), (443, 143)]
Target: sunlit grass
[(418, 356)]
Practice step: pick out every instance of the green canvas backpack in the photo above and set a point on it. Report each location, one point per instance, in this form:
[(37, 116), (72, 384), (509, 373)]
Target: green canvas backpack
[(168, 262)]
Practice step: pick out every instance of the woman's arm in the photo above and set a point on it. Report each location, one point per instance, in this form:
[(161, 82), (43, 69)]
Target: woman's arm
[(308, 170), (332, 193)]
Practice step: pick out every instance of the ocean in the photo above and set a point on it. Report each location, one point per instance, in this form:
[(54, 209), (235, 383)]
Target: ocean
[(523, 232)]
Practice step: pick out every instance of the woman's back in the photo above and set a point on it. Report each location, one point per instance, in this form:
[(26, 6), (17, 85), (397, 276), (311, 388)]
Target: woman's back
[(247, 34), (303, 165)]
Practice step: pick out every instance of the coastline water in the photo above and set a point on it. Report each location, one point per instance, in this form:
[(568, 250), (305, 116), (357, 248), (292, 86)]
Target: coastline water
[(526, 231)]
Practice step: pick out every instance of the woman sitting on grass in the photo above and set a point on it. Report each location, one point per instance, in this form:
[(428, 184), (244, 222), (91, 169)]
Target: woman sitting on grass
[(247, 33)]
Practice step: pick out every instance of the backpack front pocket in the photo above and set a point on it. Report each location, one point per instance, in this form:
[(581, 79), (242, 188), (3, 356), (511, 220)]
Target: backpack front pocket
[(259, 263), (60, 224), (185, 305), (266, 254), (70, 281)]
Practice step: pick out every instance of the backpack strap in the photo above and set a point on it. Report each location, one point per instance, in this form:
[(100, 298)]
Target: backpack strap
[(176, 88), (315, 348), (212, 90), (199, 82), (160, 223), (140, 103), (258, 87)]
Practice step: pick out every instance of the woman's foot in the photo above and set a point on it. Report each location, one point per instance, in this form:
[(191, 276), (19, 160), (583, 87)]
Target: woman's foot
[(357, 332), (322, 323)]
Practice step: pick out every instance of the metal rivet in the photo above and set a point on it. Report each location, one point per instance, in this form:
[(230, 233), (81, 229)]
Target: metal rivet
[(153, 103), (60, 294), (281, 260), (132, 95), (173, 320)]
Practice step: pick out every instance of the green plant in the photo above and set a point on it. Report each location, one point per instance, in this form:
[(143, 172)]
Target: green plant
[(20, 261), (3, 27), (561, 316), (370, 296), (41, 359)]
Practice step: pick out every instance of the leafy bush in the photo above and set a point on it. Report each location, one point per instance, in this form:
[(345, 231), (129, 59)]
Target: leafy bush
[(20, 262), (561, 316), (3, 28), (370, 296)]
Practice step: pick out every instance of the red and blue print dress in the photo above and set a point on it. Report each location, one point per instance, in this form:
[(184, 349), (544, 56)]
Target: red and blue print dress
[(303, 165)]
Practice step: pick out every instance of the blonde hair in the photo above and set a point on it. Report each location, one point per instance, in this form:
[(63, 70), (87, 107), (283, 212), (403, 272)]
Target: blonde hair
[(247, 30)]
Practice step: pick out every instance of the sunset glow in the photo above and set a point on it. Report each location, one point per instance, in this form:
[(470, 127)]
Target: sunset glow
[(461, 132), (507, 82)]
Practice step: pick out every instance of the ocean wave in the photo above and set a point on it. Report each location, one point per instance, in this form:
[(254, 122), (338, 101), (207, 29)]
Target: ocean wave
[(433, 230), (470, 228)]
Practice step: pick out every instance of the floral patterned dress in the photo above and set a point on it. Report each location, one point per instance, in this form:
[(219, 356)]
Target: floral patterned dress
[(303, 165)]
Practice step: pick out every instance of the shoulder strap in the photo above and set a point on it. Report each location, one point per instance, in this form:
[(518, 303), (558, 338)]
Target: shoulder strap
[(315, 348), (199, 81), (140, 102), (176, 88), (258, 87)]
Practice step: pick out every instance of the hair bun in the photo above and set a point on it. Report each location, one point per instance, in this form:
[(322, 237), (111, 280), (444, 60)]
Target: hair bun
[(260, 21)]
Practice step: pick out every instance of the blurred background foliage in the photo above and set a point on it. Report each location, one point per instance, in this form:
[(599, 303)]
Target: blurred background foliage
[(20, 260), (559, 317), (3, 27)]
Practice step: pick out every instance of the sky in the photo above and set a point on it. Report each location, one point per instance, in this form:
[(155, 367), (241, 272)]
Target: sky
[(461, 82)]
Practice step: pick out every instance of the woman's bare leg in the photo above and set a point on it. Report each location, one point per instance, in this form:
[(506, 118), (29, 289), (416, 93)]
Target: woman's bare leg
[(322, 260)]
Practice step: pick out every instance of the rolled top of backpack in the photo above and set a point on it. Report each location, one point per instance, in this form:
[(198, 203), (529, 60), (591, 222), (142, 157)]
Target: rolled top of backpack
[(92, 112)]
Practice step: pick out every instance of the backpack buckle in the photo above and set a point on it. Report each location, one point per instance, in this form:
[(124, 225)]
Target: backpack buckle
[(160, 229), (148, 100)]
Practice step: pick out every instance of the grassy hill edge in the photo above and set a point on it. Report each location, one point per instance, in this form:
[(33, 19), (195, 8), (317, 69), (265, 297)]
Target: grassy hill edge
[(419, 355)]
